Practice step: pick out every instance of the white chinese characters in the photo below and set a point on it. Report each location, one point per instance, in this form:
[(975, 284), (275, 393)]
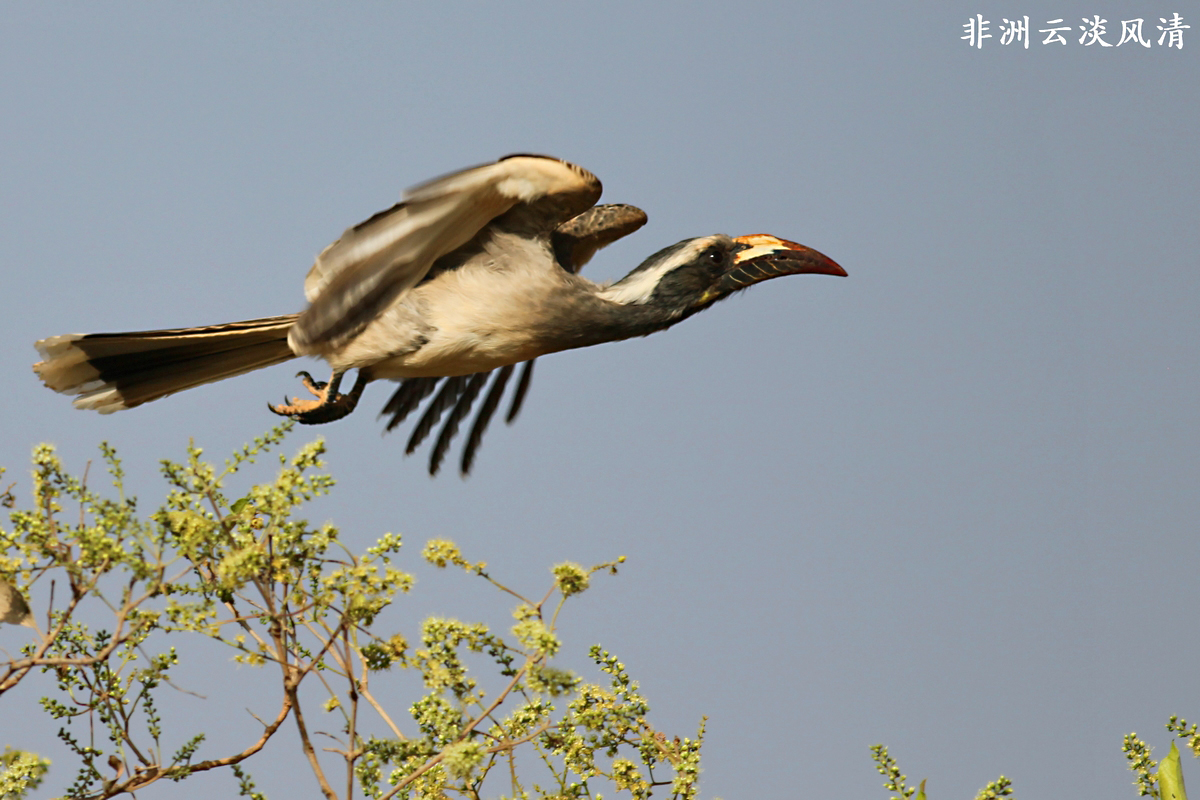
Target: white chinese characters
[(1093, 32), (1015, 30), (975, 30), (1173, 29)]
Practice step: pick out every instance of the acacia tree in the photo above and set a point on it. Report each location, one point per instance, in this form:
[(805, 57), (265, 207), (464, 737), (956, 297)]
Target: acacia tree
[(292, 599)]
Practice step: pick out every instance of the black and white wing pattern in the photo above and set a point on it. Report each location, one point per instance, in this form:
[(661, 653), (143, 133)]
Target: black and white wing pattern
[(575, 242), (357, 277)]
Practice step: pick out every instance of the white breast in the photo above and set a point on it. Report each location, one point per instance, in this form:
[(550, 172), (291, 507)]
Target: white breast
[(477, 317)]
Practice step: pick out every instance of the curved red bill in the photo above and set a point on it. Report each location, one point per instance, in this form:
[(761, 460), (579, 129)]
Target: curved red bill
[(763, 257)]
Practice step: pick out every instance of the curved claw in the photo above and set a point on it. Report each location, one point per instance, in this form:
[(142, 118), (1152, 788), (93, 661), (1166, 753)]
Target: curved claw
[(275, 409), (315, 388), (329, 405)]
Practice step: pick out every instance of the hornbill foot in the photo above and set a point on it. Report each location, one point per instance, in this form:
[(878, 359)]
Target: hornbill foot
[(315, 388), (330, 404)]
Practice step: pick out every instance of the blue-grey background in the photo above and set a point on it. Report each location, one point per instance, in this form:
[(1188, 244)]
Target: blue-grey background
[(947, 503)]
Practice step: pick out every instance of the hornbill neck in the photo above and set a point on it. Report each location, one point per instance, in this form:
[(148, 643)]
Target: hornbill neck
[(590, 319), (583, 313), (675, 283)]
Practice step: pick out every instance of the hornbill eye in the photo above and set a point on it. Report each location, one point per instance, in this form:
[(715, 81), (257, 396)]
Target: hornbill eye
[(714, 255)]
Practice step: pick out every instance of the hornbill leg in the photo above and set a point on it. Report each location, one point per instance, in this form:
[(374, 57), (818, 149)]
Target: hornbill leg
[(330, 404)]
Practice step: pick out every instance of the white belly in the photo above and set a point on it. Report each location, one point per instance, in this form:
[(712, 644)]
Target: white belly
[(468, 320)]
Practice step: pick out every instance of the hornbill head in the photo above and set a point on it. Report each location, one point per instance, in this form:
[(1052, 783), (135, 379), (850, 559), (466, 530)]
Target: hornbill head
[(692, 275)]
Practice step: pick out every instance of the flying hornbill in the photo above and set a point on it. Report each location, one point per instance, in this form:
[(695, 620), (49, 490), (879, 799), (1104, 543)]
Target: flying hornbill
[(471, 274)]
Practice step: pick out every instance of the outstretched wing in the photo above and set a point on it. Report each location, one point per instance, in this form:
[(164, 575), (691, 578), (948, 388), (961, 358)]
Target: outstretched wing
[(357, 277), (578, 239), (574, 242)]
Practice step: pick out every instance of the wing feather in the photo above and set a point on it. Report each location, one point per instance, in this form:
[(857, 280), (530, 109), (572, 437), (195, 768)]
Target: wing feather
[(522, 389), (445, 398), (357, 277), (406, 399), (578, 232), (450, 427), (479, 427)]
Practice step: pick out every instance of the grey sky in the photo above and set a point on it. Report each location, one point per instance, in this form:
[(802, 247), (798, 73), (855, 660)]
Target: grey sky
[(948, 503)]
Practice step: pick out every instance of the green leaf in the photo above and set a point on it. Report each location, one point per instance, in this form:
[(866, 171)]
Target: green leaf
[(921, 791), (1170, 776), (238, 505)]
